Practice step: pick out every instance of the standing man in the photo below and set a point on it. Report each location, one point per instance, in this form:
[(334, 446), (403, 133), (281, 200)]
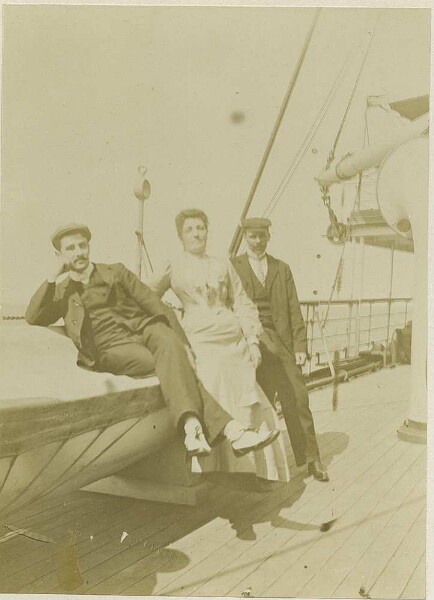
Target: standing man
[(119, 325), (270, 285)]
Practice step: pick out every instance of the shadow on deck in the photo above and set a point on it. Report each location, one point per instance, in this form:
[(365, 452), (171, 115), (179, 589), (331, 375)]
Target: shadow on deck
[(245, 543)]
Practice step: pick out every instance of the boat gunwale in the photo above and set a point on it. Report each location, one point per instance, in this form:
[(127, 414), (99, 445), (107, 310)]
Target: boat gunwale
[(61, 420)]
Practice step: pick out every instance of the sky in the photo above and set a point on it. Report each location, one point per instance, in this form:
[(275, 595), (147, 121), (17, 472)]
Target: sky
[(92, 92)]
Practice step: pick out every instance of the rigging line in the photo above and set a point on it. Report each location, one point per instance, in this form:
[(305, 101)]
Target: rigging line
[(276, 197), (144, 249), (325, 188), (341, 259), (236, 240), (356, 83), (340, 263), (348, 230), (302, 150), (366, 136)]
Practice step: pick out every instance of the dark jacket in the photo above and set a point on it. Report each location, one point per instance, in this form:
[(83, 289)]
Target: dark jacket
[(285, 307), (133, 303)]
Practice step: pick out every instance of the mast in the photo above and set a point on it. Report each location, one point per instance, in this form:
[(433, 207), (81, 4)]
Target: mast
[(236, 240)]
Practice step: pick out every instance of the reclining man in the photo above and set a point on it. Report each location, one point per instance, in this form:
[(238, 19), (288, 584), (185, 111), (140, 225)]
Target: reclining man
[(119, 325)]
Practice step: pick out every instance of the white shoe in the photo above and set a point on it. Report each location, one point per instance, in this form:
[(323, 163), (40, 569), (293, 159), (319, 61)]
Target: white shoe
[(251, 440), (196, 444)]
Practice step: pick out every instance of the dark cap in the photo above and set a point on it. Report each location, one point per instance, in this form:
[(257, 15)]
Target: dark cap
[(68, 230), (255, 223)]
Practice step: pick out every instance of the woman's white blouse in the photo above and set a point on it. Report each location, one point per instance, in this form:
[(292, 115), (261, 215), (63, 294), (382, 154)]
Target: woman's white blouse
[(203, 282)]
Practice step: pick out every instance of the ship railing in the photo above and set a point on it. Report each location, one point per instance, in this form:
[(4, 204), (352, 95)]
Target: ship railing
[(351, 326)]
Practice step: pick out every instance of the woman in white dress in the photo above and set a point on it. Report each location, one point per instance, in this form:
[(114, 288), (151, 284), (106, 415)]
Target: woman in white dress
[(223, 327)]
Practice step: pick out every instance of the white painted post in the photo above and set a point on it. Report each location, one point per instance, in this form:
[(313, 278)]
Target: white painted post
[(403, 197)]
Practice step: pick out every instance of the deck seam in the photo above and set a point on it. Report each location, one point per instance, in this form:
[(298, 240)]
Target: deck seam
[(360, 445)]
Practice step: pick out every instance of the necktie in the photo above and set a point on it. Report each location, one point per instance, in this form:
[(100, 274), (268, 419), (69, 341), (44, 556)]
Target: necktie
[(260, 272)]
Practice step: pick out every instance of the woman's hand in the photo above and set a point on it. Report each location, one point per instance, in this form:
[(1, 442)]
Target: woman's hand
[(300, 358), (255, 354)]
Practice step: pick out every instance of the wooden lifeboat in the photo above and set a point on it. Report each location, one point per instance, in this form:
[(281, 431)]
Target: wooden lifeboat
[(64, 428)]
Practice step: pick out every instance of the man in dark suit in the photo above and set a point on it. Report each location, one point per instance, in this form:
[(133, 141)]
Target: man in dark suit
[(270, 285), (119, 325)]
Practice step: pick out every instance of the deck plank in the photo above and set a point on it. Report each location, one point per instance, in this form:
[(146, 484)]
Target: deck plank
[(415, 588), (405, 475), (198, 544), (242, 540), (308, 583), (98, 561), (95, 576), (292, 550), (47, 517), (92, 531), (264, 569), (369, 568), (99, 557), (118, 568), (211, 531), (261, 564), (402, 563), (37, 509), (37, 558), (266, 512), (315, 512)]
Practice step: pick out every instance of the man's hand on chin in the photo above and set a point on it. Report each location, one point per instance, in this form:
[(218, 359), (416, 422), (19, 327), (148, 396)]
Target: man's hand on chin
[(57, 267), (300, 358)]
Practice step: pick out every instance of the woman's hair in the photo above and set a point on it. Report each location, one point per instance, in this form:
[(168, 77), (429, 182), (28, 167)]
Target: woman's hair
[(189, 213)]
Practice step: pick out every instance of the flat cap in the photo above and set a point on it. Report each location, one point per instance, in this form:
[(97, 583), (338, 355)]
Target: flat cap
[(256, 223), (67, 230)]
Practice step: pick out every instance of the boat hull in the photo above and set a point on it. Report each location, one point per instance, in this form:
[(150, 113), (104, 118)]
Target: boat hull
[(53, 445)]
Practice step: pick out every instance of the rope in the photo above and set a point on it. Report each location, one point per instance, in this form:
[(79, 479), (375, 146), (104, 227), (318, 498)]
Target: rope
[(284, 183), (339, 229), (236, 240), (338, 271), (341, 259), (307, 140), (144, 249), (356, 84)]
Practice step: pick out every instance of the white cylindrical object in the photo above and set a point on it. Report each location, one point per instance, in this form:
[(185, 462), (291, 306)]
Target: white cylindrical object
[(352, 164), (403, 194)]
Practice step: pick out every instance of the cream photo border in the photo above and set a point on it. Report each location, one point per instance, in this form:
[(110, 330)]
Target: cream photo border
[(389, 4)]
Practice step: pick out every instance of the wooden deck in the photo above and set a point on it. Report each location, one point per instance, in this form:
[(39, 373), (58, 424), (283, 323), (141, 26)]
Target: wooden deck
[(244, 543)]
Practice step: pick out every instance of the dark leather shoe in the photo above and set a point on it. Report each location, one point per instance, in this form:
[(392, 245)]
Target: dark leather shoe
[(316, 469)]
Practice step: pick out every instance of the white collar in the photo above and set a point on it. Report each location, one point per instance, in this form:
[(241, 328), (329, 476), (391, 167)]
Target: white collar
[(251, 254), (83, 276), (190, 256)]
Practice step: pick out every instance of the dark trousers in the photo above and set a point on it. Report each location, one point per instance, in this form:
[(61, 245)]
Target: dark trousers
[(279, 374), (158, 349)]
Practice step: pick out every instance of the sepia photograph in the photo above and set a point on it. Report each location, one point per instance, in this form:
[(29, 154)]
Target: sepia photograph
[(214, 301)]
